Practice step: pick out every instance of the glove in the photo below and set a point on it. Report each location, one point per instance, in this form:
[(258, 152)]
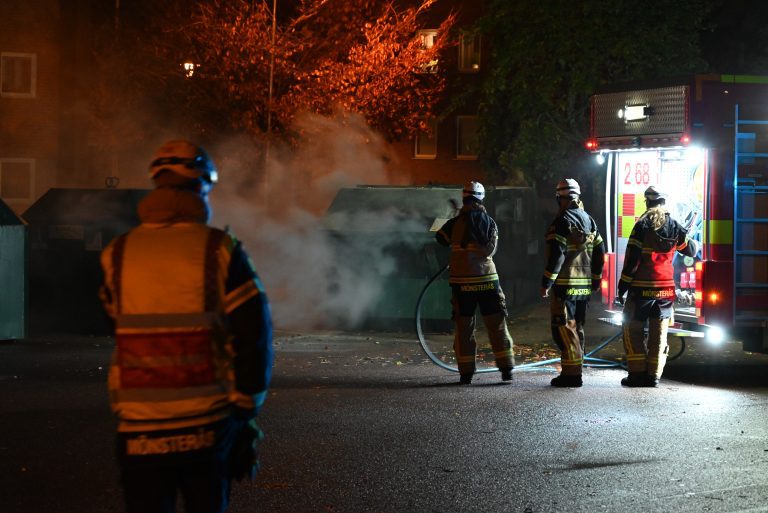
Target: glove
[(623, 289), (244, 458), (596, 284)]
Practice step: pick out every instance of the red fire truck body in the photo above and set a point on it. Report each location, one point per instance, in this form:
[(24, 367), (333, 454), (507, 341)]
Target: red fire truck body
[(704, 141)]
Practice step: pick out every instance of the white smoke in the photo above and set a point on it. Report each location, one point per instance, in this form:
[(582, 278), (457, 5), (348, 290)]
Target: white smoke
[(280, 220)]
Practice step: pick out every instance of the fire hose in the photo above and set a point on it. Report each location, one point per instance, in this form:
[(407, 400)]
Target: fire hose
[(589, 359)]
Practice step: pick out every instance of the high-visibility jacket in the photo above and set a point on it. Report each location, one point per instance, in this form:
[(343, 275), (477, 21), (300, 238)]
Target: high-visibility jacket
[(171, 290), (574, 254), (473, 237), (648, 268)]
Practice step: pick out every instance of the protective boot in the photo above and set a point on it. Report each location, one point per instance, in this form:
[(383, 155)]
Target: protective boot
[(465, 346), (634, 346), (635, 379), (566, 381), (651, 381), (501, 343), (658, 349)]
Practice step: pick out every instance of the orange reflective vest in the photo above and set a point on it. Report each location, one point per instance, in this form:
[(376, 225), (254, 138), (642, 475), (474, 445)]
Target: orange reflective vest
[(173, 362)]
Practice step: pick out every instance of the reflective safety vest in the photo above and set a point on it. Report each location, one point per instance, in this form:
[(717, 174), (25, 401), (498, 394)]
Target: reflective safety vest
[(648, 267), (172, 366)]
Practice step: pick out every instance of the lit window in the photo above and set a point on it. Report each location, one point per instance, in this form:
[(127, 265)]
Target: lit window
[(17, 179), (466, 137), (425, 146), (427, 38), (19, 74), (469, 53)]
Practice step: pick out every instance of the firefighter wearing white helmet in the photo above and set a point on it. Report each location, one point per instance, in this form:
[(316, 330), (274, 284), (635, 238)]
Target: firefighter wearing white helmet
[(574, 265), (473, 238), (648, 278), (185, 294)]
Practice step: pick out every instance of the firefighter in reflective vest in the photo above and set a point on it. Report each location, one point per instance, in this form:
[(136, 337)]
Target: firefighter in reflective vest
[(473, 237), (193, 344), (574, 256), (648, 276)]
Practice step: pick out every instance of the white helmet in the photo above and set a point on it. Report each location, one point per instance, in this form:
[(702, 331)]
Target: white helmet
[(568, 188), (186, 159), (655, 194), (475, 190)]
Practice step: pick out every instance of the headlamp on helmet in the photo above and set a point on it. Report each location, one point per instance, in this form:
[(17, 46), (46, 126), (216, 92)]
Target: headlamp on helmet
[(185, 159)]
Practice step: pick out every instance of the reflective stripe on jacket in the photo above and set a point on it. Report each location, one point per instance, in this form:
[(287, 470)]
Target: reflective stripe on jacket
[(574, 253), (648, 265), (173, 363), (473, 238)]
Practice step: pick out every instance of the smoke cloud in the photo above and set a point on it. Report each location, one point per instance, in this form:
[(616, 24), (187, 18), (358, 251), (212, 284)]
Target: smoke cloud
[(313, 277)]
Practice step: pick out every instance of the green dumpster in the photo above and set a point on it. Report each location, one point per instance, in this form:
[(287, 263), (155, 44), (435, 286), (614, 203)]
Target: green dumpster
[(385, 237), (13, 275), (68, 228)]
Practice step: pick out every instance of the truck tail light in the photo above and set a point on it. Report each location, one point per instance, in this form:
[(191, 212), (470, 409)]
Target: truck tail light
[(714, 285), (699, 292)]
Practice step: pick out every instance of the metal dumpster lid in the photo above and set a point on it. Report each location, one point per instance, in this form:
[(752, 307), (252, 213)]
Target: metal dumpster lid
[(7, 216), (85, 206)]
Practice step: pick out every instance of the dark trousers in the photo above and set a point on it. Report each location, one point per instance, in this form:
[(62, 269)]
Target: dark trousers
[(489, 298), (152, 481)]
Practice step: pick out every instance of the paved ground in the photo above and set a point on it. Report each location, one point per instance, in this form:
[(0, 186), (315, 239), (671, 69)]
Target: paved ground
[(364, 422)]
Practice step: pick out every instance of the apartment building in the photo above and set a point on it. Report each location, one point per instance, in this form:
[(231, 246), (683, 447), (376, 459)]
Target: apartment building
[(46, 140), (29, 100), (447, 154)]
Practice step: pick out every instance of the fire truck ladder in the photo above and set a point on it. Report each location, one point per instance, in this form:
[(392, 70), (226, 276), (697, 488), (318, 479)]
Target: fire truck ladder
[(750, 221)]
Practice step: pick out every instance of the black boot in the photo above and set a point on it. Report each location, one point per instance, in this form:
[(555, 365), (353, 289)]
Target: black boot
[(465, 379), (651, 381), (635, 379), (566, 381), (506, 374)]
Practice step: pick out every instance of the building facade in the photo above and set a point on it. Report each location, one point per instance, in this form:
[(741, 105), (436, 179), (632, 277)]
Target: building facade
[(29, 100), (47, 136)]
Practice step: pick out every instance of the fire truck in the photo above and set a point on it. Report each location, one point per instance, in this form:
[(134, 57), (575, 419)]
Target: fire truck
[(704, 140)]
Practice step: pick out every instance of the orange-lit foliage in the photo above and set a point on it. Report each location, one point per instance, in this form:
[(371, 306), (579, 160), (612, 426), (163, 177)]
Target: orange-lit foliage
[(330, 56)]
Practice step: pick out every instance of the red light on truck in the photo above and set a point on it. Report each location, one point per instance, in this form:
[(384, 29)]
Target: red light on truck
[(714, 298), (685, 139), (591, 144)]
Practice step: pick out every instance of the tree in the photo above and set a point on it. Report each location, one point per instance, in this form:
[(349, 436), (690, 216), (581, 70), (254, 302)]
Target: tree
[(550, 56), (323, 56)]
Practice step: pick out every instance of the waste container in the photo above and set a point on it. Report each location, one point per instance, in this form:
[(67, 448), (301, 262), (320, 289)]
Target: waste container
[(13, 275), (67, 229), (388, 232)]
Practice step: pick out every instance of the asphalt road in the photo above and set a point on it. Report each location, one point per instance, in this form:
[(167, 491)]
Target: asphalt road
[(365, 423)]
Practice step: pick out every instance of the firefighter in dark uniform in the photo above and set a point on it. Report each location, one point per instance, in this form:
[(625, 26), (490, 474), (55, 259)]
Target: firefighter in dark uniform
[(473, 237), (193, 352), (648, 277), (574, 267)]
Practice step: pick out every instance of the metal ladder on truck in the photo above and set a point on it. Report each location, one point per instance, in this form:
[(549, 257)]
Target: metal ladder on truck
[(750, 224)]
